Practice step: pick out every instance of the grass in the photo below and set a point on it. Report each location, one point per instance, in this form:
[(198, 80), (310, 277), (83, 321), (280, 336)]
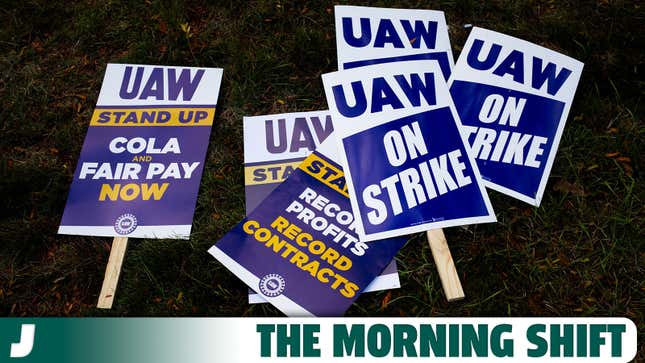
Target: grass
[(580, 254)]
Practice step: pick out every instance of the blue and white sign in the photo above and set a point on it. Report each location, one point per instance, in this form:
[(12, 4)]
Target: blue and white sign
[(367, 35), (406, 164), (513, 98)]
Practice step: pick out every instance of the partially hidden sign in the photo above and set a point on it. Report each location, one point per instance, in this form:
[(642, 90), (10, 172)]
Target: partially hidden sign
[(274, 146), (299, 247), (368, 35), (407, 167), (513, 98), (141, 163)]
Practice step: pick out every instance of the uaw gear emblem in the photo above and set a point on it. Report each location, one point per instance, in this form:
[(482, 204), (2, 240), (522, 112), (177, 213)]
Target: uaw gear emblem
[(125, 224), (272, 285)]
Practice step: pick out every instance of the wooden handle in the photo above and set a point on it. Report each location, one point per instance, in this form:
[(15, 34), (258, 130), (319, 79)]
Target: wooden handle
[(112, 272), (445, 265)]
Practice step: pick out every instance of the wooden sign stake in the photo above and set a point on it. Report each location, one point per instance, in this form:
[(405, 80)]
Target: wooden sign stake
[(445, 265), (112, 272)]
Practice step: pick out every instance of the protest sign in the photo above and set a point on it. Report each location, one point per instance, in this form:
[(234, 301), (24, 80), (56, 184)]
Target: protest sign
[(400, 40), (274, 146), (401, 114), (368, 35), (299, 249), (513, 98), (141, 163)]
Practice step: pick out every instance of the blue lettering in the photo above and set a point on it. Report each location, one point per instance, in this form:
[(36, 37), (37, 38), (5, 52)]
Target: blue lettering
[(341, 100), (429, 35), (315, 166), (348, 32), (383, 94), (513, 65), (386, 33), (548, 75), (491, 58), (416, 87)]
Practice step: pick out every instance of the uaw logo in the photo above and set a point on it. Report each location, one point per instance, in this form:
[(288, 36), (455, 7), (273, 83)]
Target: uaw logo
[(125, 224), (272, 285)]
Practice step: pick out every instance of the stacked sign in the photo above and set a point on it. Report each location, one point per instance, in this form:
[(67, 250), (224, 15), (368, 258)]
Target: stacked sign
[(403, 115), (141, 163), (274, 146), (299, 247), (403, 158), (405, 155), (400, 35)]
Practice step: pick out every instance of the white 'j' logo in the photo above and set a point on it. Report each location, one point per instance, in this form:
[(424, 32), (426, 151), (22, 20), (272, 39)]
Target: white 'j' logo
[(26, 343)]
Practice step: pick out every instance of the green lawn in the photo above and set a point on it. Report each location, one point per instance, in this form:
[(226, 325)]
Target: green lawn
[(581, 253)]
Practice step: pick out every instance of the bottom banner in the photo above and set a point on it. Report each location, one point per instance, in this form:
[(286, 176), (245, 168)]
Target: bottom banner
[(297, 339)]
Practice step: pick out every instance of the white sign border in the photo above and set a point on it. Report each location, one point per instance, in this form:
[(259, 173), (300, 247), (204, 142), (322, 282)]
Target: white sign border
[(378, 69), (509, 41)]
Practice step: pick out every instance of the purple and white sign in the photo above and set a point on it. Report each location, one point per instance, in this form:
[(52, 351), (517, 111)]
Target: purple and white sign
[(141, 163), (513, 98), (274, 146), (299, 247)]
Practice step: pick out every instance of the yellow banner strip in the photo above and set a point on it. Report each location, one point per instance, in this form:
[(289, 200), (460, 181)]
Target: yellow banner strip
[(326, 172), (268, 173), (153, 116)]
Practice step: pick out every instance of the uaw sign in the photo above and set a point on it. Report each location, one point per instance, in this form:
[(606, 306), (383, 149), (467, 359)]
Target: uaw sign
[(367, 35), (274, 147), (299, 247), (407, 167), (513, 98), (141, 163)]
